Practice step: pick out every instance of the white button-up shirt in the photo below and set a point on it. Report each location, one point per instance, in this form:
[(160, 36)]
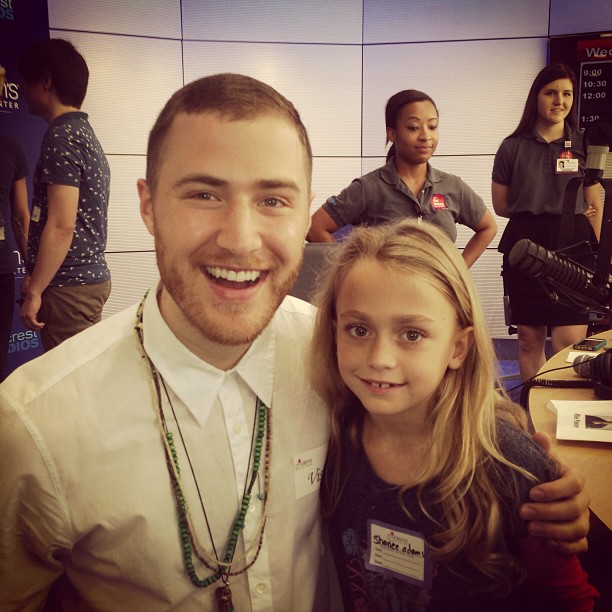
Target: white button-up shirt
[(85, 497)]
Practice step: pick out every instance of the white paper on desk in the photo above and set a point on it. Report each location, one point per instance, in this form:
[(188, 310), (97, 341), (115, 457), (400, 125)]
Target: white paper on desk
[(573, 354), (579, 420)]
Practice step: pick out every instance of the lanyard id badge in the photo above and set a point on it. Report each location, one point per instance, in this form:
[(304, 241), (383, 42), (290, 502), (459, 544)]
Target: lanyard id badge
[(398, 552), (566, 164)]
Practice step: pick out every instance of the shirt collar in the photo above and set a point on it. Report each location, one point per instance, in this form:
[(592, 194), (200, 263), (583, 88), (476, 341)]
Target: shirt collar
[(567, 134), (389, 174), (194, 381), (68, 116), (433, 174)]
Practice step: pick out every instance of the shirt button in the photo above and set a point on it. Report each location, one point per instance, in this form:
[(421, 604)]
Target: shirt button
[(260, 588), (237, 428)]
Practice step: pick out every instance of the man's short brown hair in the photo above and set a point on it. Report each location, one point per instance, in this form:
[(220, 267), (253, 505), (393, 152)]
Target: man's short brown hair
[(235, 97)]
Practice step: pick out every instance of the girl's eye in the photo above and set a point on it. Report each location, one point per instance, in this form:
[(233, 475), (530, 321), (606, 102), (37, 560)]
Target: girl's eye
[(358, 331), (413, 335)]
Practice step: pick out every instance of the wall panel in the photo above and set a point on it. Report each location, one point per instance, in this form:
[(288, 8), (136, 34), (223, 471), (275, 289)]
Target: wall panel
[(479, 87), (388, 21), (328, 21), (323, 81), (489, 283), (132, 274), (126, 230), (151, 18), (331, 175), (130, 80)]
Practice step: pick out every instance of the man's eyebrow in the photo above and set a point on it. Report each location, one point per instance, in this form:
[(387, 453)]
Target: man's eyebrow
[(204, 179), (277, 184), (213, 181)]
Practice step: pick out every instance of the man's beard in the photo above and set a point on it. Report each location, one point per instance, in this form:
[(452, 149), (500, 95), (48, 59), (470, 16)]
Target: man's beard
[(228, 324)]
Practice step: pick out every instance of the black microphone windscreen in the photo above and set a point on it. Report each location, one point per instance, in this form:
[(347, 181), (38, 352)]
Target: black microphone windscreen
[(528, 256), (582, 367)]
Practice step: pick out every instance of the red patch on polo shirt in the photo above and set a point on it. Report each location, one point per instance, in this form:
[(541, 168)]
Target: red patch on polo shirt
[(438, 201)]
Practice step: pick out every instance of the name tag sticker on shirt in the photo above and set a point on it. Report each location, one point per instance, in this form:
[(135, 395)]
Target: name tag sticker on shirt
[(308, 471), (35, 214), (438, 202), (401, 553), (567, 166)]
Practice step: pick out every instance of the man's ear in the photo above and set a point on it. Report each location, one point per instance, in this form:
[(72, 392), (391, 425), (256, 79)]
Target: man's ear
[(146, 205), (463, 344)]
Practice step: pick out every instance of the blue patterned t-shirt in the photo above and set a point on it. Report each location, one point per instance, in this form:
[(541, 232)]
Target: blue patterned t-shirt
[(71, 154)]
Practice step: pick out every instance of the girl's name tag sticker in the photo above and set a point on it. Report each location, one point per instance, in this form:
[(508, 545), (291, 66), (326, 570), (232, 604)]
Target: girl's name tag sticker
[(398, 552)]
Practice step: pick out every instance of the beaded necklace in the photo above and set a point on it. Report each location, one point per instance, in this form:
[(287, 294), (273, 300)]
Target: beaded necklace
[(221, 568)]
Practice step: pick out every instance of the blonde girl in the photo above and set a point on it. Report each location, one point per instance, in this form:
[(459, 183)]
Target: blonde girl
[(427, 464)]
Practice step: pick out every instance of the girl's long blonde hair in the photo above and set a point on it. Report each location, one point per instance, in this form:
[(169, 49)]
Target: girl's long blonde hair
[(462, 419)]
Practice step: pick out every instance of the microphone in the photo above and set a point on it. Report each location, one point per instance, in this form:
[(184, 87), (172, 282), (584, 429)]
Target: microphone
[(599, 370), (569, 276), (583, 366)]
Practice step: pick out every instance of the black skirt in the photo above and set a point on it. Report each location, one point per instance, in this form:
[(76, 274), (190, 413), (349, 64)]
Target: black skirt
[(530, 301)]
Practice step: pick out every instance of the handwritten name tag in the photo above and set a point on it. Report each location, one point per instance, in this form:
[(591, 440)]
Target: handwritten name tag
[(398, 552), (308, 471)]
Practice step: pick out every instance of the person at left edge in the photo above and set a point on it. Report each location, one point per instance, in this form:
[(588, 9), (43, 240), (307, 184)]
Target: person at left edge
[(408, 186), (68, 281), (13, 206)]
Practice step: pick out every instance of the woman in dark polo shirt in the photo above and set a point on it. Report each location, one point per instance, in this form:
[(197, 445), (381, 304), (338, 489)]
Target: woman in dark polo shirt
[(531, 170), (408, 186)]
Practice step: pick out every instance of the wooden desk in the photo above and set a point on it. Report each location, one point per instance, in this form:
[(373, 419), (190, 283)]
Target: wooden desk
[(594, 459)]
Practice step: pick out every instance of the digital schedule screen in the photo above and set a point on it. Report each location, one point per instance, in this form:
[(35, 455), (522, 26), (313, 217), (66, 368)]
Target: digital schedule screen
[(590, 57), (595, 92)]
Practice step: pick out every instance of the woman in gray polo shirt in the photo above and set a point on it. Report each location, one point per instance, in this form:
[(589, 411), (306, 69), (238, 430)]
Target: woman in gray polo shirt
[(408, 186), (531, 170)]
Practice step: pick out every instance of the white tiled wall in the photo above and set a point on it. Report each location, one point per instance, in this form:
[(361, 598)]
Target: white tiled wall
[(338, 61), (323, 81), (284, 21), (479, 88), (393, 21)]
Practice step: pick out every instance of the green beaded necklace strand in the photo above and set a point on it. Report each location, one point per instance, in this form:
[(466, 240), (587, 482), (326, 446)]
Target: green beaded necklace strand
[(190, 546), (187, 538)]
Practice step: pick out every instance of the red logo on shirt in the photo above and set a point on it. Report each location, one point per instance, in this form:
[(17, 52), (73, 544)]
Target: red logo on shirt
[(565, 154), (438, 201)]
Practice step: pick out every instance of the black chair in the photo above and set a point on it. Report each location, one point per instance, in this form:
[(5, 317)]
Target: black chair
[(316, 257)]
